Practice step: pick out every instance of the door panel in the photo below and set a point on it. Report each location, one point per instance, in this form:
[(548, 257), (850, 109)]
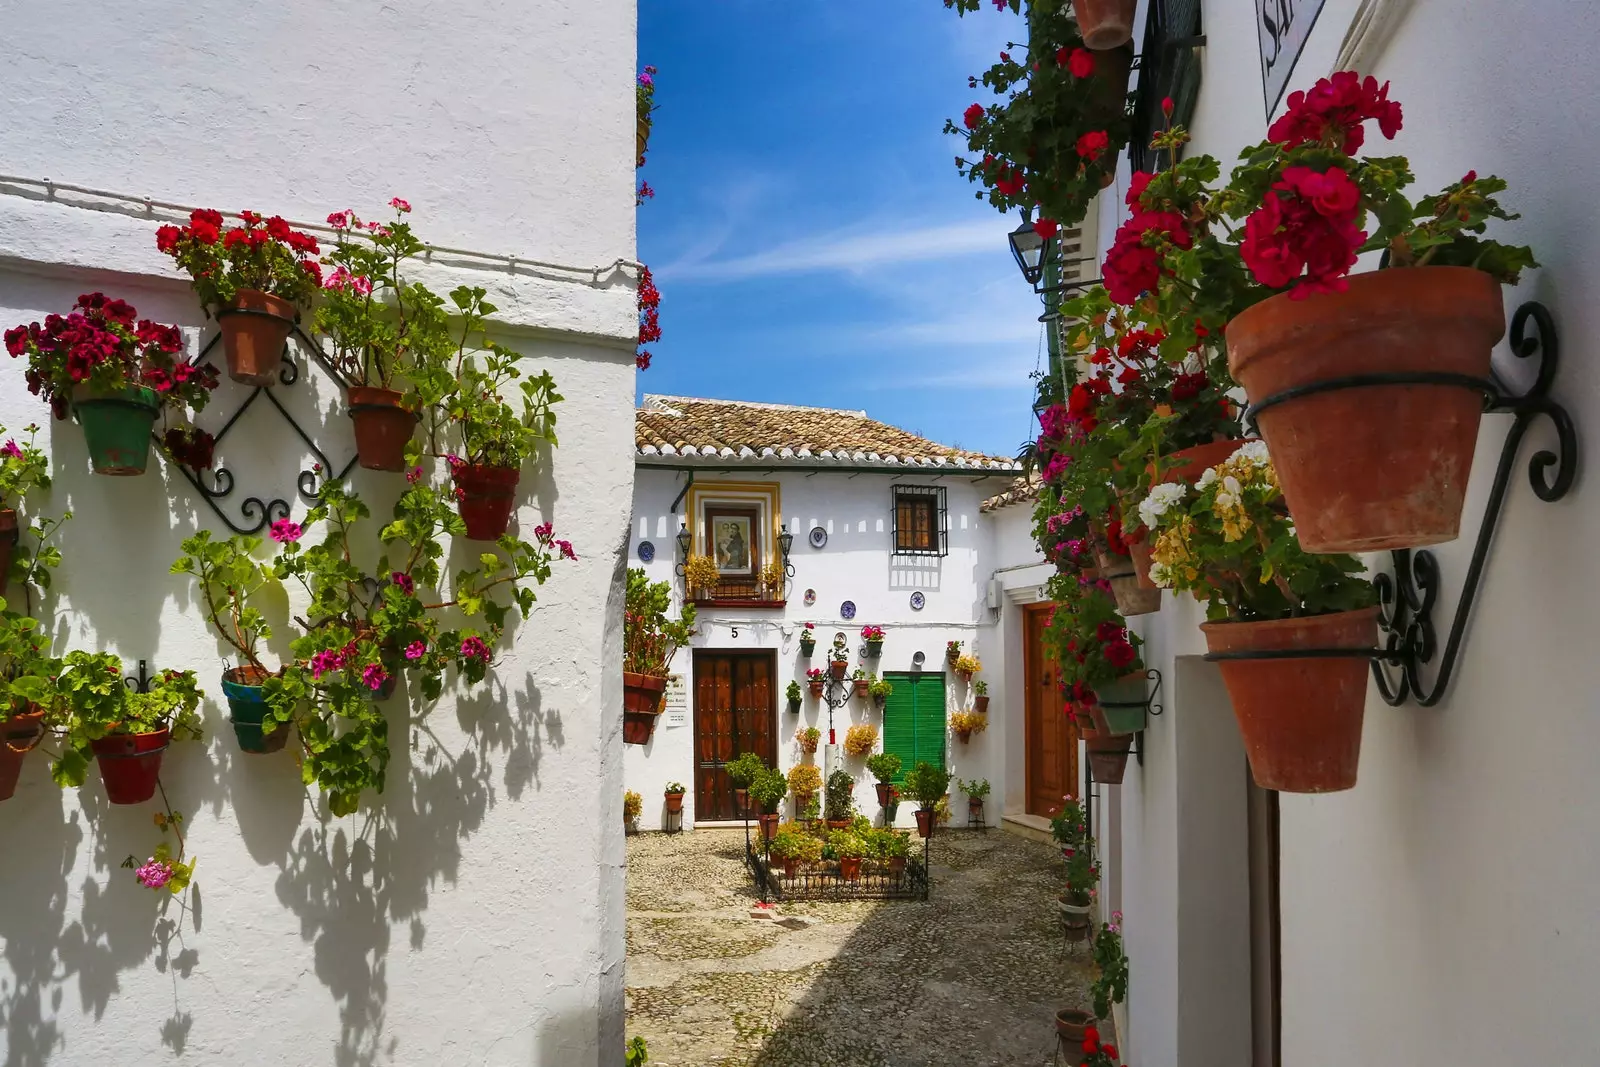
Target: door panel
[(1051, 738), (734, 712)]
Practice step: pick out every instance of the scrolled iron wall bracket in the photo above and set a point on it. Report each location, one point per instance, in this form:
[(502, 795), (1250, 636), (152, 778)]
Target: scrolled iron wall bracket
[(1407, 599), (256, 512)]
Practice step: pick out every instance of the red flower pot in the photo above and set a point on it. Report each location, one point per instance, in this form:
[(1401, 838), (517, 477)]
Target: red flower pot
[(769, 825), (18, 735), (382, 427), (1377, 467), (8, 544), (130, 764), (674, 801), (862, 687), (886, 794), (254, 328), (897, 866), (487, 499), (837, 667), (980, 704), (741, 799), (925, 822), (1300, 718), (1108, 757), (816, 686), (1071, 1024), (1105, 24), (641, 704), (850, 868), (791, 867)]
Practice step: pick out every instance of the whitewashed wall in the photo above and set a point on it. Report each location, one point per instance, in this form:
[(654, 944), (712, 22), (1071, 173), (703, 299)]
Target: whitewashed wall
[(1441, 911), (856, 565), (474, 913)]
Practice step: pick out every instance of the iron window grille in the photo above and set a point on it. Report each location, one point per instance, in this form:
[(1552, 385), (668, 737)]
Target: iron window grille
[(1169, 66), (920, 521)]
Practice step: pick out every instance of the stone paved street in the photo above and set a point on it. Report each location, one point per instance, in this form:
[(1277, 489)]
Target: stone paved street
[(970, 979)]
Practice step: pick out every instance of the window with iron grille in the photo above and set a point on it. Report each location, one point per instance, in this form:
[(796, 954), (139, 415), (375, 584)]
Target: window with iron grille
[(921, 523), (1169, 67)]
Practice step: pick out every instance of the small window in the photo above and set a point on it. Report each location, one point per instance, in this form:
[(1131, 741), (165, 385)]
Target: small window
[(921, 526)]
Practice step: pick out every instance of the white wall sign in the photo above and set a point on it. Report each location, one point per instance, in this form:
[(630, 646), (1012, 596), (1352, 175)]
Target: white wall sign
[(1282, 26), (677, 701)]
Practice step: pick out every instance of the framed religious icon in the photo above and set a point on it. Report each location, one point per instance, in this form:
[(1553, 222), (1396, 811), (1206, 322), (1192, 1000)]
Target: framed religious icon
[(733, 541)]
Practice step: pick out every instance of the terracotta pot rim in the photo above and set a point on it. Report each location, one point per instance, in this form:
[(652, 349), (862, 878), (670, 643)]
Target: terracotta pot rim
[(653, 682), (276, 306), (1292, 624)]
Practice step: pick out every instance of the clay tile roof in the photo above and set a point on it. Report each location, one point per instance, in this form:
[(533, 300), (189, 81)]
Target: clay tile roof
[(740, 430), (1022, 490)]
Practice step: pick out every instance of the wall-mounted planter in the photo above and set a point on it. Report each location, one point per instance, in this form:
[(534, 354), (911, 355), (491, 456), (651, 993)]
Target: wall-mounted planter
[(1105, 24), (130, 764), (1132, 599), (1375, 463), (8, 545), (255, 327), (1121, 707), (1108, 757), (837, 668), (874, 649), (863, 687), (641, 705), (488, 497), (247, 710), (1300, 717), (116, 428), (18, 735), (794, 706), (382, 426), (815, 685), (980, 704)]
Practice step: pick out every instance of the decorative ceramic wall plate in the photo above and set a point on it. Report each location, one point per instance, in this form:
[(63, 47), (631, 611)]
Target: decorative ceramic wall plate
[(819, 537), (811, 597), (847, 610), (918, 600), (647, 551)]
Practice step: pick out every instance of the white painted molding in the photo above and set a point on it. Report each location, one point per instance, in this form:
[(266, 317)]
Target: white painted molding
[(1371, 29)]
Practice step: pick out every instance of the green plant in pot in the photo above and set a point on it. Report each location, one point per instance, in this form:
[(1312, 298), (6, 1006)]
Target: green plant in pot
[(23, 468), (118, 373), (884, 768), (792, 695), (126, 732), (888, 847), (1266, 261), (767, 789), (980, 697), (254, 279), (976, 790), (805, 782), (488, 438), (650, 638), (1077, 900), (927, 785), (840, 795), (792, 847), (741, 770), (1110, 985), (879, 688), (27, 675), (1068, 826), (673, 796), (1228, 543), (808, 639), (849, 850), (1105, 676)]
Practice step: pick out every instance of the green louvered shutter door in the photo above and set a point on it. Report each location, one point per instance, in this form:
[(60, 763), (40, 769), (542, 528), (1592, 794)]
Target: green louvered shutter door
[(929, 724), (899, 722)]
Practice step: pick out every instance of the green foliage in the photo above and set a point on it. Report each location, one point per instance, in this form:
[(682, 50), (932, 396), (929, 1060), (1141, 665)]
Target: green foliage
[(89, 701), (649, 637), (742, 770), (883, 766), (27, 672), (767, 789), (1068, 826), (638, 1054), (887, 843), (880, 688), (980, 688), (229, 574), (1111, 965), (674, 787), (840, 795), (793, 843), (792, 693), (976, 789), (927, 783), (844, 844), (1083, 874), (23, 468)]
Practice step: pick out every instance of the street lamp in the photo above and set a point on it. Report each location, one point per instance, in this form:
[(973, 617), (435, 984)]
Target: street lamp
[(1030, 251), (785, 543), (685, 542)]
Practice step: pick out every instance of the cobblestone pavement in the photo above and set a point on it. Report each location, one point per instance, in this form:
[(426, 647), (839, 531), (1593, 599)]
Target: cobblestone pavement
[(972, 978)]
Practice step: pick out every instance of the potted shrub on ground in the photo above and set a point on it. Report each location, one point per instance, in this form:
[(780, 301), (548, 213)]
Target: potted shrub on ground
[(967, 666), (27, 674), (1068, 826), (1385, 465), (673, 796), (126, 732), (808, 738), (23, 468), (966, 723), (863, 684), (841, 794), (872, 637), (741, 771), (1232, 547), (883, 766), (254, 279), (879, 688), (1077, 900), (808, 639), (849, 850), (860, 739), (768, 789), (118, 373), (792, 695), (792, 846), (649, 641), (632, 806), (816, 678), (890, 848), (927, 785), (976, 790), (805, 782)]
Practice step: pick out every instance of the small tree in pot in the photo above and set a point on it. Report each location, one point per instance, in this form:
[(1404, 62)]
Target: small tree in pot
[(649, 641), (840, 799), (805, 782), (741, 771), (768, 789), (884, 766), (927, 784), (976, 790)]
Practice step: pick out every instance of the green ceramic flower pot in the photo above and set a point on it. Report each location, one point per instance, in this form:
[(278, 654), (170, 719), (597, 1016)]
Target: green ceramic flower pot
[(116, 427), (1124, 703), (247, 710)]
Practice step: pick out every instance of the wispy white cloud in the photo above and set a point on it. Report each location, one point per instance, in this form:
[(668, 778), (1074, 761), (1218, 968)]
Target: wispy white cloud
[(848, 251)]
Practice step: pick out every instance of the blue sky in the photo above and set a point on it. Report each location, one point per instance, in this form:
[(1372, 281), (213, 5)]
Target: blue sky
[(811, 238)]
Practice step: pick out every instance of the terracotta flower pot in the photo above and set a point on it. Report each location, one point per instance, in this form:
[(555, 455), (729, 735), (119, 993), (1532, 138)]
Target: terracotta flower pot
[(980, 704), (130, 764), (964, 735), (837, 667), (641, 704), (1188, 464), (116, 428), (815, 685), (1071, 1024), (488, 497), (18, 735), (850, 868), (1376, 467), (863, 687), (838, 824), (674, 801), (897, 866), (1105, 24), (769, 825), (886, 794), (925, 822), (255, 327), (382, 427), (791, 867), (741, 799), (1139, 551), (8, 545), (1108, 757), (247, 710), (975, 806), (642, 138), (1300, 718)]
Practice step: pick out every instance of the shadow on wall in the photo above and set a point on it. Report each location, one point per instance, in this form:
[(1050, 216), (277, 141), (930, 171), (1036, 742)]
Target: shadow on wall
[(349, 881)]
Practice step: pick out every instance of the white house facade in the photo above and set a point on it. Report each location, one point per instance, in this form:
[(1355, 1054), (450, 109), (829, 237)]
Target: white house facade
[(472, 913)]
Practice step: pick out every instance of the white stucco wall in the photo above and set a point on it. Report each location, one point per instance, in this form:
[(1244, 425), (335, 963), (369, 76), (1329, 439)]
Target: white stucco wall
[(473, 914), (855, 565), (1439, 911)]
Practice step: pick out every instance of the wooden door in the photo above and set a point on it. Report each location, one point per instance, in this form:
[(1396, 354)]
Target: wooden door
[(735, 711), (1051, 738)]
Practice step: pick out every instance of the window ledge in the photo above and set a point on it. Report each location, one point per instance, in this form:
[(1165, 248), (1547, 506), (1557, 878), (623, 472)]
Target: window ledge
[(737, 602)]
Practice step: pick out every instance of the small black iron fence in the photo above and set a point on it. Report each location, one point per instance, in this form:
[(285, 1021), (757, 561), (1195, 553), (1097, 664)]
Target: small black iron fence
[(875, 881)]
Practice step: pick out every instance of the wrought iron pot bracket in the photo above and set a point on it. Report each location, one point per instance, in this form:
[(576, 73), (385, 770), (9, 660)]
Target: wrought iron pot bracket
[(257, 511), (1406, 600)]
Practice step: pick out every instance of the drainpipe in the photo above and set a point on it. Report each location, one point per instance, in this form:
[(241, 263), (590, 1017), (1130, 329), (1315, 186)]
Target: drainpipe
[(682, 493)]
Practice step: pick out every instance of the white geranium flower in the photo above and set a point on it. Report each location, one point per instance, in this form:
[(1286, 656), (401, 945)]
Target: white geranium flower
[(1160, 500), (1160, 575), (1255, 452), (1206, 480), (1231, 484), (1225, 500)]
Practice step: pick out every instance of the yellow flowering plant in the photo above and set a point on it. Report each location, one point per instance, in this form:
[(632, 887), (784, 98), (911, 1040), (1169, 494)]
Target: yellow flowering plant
[(1228, 540)]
